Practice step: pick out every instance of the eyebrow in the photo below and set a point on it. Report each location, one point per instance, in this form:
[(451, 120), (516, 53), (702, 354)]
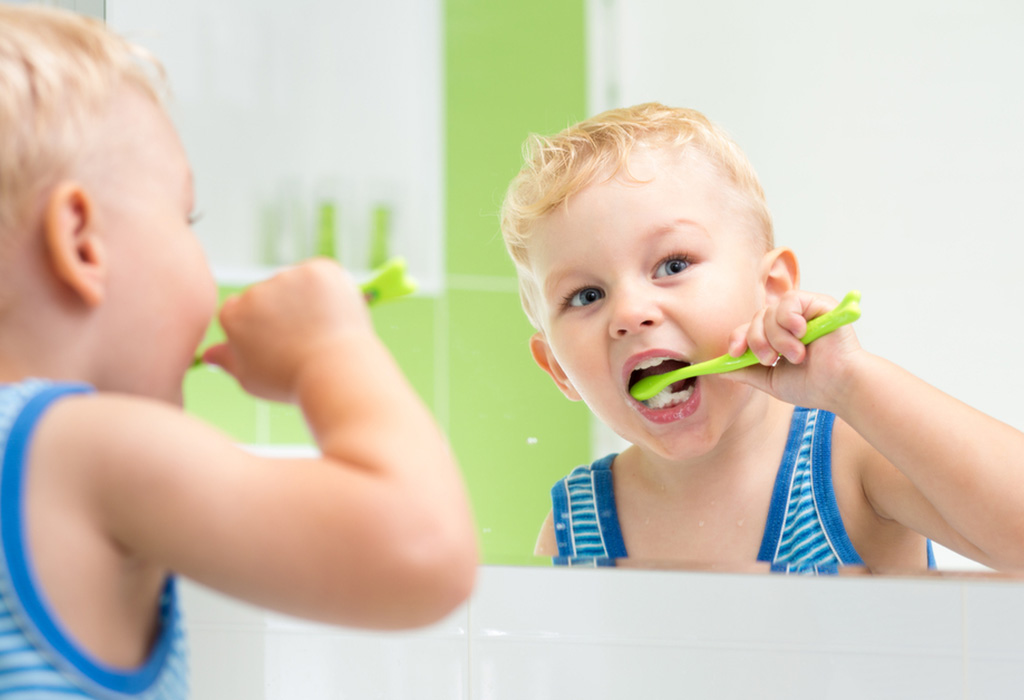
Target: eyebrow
[(556, 277), (675, 225), (553, 281)]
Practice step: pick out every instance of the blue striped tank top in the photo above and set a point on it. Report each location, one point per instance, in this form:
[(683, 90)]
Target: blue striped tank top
[(804, 532), (39, 660)]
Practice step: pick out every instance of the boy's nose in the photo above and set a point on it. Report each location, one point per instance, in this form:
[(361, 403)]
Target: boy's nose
[(634, 313)]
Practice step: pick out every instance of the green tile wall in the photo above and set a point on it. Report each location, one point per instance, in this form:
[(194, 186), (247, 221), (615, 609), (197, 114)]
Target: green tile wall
[(513, 431), (214, 395), (510, 68)]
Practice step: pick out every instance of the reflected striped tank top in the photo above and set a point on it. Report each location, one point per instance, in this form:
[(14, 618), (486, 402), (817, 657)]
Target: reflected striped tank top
[(804, 532)]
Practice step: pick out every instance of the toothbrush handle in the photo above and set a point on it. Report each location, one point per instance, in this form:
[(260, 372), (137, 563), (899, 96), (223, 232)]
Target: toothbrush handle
[(846, 312)]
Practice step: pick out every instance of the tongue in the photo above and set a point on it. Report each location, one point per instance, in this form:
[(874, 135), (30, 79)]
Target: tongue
[(681, 384)]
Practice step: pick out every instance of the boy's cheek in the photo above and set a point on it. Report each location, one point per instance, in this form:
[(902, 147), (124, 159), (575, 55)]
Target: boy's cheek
[(545, 358)]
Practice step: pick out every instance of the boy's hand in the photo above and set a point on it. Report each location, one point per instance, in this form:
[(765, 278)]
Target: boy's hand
[(275, 327), (813, 375)]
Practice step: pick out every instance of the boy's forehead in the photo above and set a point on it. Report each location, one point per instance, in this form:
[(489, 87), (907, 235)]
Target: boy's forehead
[(136, 124), (661, 191)]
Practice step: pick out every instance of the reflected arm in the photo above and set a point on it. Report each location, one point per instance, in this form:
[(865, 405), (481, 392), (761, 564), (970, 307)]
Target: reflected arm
[(965, 469)]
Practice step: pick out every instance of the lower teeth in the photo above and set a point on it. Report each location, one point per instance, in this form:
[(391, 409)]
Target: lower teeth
[(667, 398)]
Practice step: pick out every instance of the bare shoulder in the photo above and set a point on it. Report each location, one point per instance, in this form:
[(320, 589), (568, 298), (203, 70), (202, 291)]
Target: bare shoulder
[(110, 445), (546, 545), (107, 424)]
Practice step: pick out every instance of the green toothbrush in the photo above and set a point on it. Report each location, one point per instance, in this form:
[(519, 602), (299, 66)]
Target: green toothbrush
[(846, 312), (389, 282)]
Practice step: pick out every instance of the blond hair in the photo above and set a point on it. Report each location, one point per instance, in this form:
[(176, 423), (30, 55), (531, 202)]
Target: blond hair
[(560, 166), (58, 72)]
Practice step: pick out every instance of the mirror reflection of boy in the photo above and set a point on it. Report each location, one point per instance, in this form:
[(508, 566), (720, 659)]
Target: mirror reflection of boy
[(107, 486), (643, 242)]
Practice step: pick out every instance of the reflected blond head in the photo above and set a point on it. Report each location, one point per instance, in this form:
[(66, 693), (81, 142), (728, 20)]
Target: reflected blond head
[(558, 167)]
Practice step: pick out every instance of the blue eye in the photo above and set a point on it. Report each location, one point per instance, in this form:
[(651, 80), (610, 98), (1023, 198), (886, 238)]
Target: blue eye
[(671, 266), (584, 297)]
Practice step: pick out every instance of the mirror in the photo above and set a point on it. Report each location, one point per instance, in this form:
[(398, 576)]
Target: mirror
[(887, 138)]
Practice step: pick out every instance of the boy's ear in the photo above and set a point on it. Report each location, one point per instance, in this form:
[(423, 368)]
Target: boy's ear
[(780, 272), (75, 250), (545, 359)]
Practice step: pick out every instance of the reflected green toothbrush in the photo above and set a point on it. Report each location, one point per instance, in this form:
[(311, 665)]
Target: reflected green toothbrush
[(846, 312), (389, 281)]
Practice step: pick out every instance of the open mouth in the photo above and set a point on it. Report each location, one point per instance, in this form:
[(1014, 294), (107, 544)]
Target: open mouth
[(673, 394)]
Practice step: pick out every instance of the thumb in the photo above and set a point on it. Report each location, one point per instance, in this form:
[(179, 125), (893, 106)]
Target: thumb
[(757, 376), (220, 355)]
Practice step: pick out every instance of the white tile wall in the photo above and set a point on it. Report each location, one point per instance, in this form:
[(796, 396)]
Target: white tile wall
[(993, 639), (537, 633), (307, 661)]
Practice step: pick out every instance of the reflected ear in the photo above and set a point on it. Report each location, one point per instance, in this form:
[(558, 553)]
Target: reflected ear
[(545, 359), (780, 272), (75, 252)]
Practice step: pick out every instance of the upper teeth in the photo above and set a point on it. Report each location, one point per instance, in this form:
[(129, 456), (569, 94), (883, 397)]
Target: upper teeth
[(651, 362)]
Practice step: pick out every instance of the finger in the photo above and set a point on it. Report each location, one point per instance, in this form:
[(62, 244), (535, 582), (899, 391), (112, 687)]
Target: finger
[(222, 356), (738, 341), (755, 376), (784, 334), (791, 313), (228, 311), (757, 340)]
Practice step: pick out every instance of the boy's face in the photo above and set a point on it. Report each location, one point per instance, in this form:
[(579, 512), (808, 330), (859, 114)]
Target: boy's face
[(160, 289), (630, 272)]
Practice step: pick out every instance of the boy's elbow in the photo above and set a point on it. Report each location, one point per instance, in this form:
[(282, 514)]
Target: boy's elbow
[(442, 568), (429, 571)]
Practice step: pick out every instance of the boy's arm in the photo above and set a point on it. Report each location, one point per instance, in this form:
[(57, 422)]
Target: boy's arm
[(967, 466), (546, 545), (376, 532), (964, 470)]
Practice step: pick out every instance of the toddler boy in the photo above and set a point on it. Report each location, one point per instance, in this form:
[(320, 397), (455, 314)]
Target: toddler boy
[(106, 486)]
